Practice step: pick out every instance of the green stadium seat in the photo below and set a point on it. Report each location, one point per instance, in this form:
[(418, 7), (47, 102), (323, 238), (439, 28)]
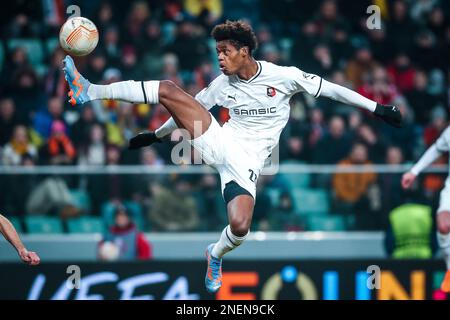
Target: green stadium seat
[(43, 225), (81, 199), (326, 223), (33, 47), (85, 225), (297, 180), (311, 201)]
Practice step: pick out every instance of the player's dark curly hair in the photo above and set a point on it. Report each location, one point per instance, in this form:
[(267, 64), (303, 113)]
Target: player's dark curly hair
[(239, 33)]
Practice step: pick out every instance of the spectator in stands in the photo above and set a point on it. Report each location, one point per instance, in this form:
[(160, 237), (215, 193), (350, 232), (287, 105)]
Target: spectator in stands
[(18, 147), (135, 22), (410, 233), (437, 124), (111, 46), (379, 87), (169, 215), (390, 183), (81, 129), (419, 98), (59, 149), (44, 118), (170, 69), (294, 150), (129, 65), (380, 44), (350, 188), (401, 29), (111, 187), (323, 62), (406, 137), (373, 141), (15, 61), (95, 151), (402, 73), (283, 216), (27, 93), (360, 66), (51, 197), (328, 19), (334, 145), (132, 243), (96, 66), (54, 82), (190, 43), (425, 51), (8, 119), (205, 12)]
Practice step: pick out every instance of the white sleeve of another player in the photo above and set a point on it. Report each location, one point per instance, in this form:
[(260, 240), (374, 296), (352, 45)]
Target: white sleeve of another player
[(435, 151), (428, 158)]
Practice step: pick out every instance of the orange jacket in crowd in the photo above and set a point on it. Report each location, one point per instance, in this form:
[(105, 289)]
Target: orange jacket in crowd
[(350, 187)]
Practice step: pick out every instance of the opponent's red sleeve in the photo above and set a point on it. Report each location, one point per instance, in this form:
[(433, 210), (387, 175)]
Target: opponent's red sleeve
[(144, 248)]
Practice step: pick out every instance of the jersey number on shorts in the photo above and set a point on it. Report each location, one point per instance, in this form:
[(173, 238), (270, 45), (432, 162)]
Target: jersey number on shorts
[(253, 175)]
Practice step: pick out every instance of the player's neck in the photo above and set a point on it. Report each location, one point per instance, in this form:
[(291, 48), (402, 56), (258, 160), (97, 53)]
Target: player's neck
[(248, 70)]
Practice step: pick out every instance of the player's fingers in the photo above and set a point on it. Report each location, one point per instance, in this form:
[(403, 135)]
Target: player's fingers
[(34, 258)]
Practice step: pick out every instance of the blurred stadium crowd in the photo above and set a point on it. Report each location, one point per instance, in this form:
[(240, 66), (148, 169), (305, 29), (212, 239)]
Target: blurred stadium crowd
[(405, 63)]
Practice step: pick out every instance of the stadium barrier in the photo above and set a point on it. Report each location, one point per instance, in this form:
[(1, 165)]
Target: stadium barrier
[(245, 280)]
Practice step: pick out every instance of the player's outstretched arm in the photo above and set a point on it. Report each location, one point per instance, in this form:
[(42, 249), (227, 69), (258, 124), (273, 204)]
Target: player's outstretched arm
[(428, 158), (390, 114), (10, 234)]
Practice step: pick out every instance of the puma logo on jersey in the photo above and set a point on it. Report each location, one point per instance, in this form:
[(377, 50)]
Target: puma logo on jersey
[(231, 97), (254, 112)]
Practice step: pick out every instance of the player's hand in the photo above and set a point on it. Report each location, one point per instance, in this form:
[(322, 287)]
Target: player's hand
[(408, 179), (390, 114), (29, 257), (143, 139)]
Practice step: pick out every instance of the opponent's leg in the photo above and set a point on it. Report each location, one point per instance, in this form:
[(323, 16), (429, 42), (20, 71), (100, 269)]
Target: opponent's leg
[(443, 226), (185, 110), (240, 212)]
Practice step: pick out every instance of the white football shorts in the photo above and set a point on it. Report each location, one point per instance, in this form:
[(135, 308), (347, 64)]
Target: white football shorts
[(230, 158)]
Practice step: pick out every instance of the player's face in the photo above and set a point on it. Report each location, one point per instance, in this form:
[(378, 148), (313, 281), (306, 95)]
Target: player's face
[(231, 59)]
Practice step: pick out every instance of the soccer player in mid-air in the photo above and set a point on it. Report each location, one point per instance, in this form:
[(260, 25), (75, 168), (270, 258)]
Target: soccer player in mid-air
[(257, 94), (10, 234), (441, 146)]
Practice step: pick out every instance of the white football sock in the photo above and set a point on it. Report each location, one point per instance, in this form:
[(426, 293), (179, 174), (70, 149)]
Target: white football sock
[(227, 242), (167, 128), (444, 244), (130, 91)]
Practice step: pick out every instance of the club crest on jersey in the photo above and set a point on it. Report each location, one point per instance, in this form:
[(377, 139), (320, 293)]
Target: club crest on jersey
[(271, 92)]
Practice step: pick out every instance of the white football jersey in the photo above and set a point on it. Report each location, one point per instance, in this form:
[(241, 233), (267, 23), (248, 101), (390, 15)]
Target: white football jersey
[(259, 107), (443, 142)]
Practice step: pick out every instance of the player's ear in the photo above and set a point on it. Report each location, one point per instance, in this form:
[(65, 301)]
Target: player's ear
[(244, 52)]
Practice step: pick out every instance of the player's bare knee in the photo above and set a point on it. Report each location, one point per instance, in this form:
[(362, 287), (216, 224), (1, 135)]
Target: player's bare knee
[(240, 226), (443, 222)]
